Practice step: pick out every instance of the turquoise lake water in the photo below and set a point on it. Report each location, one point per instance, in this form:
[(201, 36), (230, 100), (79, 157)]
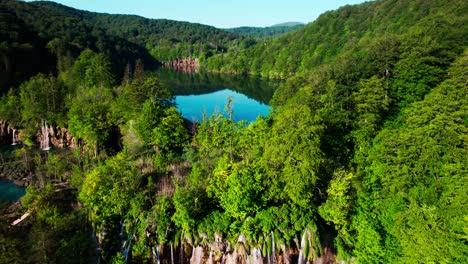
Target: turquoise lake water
[(193, 107), (10, 192), (199, 93)]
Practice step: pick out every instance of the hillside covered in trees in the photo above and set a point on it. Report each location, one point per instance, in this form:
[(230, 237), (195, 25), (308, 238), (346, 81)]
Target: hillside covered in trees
[(364, 158), (351, 34), (265, 32), (57, 32)]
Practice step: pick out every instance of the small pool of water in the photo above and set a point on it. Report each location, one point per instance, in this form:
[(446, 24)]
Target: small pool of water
[(10, 192), (192, 107)]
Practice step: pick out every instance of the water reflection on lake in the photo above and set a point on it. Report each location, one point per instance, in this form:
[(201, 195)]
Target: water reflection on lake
[(208, 93)]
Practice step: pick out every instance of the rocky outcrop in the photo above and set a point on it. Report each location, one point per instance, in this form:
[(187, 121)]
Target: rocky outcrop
[(187, 65), (8, 133), (58, 137), (47, 136), (221, 251)]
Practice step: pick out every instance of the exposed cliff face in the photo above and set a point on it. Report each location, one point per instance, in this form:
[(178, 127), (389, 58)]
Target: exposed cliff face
[(58, 137), (187, 65), (220, 251), (47, 136), (8, 133)]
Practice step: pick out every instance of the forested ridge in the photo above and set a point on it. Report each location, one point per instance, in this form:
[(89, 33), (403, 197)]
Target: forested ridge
[(363, 159), (351, 32), (267, 32), (58, 32)]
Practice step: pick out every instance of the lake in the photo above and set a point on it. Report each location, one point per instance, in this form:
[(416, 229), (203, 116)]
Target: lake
[(207, 93), (10, 192)]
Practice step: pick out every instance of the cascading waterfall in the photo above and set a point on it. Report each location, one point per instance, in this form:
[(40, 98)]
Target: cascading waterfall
[(96, 246), (14, 137), (301, 259), (210, 258), (127, 242), (273, 248), (156, 254), (172, 253), (181, 251), (45, 136), (256, 256)]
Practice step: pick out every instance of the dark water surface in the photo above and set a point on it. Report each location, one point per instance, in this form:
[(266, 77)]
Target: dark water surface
[(10, 192)]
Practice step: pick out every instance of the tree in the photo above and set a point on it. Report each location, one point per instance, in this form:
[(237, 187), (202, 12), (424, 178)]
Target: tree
[(293, 155), (90, 118)]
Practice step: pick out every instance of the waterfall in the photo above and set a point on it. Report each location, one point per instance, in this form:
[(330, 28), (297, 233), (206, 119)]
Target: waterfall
[(256, 256), (172, 253), (127, 242), (210, 258), (14, 137), (302, 256), (156, 254), (96, 246), (181, 252), (273, 248), (45, 136)]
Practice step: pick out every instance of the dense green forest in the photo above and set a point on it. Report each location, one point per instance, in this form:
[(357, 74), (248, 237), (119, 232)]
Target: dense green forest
[(364, 158), (265, 32), (355, 35), (57, 32)]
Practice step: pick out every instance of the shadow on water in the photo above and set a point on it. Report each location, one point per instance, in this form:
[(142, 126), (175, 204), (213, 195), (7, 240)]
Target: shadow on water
[(181, 83)]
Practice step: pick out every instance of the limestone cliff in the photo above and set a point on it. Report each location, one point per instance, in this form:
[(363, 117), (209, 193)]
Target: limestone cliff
[(187, 65)]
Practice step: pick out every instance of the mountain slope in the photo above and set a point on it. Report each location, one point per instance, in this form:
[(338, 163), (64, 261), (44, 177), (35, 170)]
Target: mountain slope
[(344, 30), (124, 38), (263, 32)]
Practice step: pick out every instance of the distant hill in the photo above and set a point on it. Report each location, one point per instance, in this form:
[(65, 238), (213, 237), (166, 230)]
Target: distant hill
[(263, 32), (288, 24)]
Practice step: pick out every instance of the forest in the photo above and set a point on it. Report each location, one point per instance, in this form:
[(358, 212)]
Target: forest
[(267, 32), (363, 159)]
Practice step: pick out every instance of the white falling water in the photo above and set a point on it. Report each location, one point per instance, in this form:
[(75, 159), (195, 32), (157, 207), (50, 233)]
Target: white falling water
[(210, 258), (126, 239), (181, 261), (45, 136), (172, 254), (14, 137), (256, 256), (273, 247), (302, 256), (156, 254), (97, 247)]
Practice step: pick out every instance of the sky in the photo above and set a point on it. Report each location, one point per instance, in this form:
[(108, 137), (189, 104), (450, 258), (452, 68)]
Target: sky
[(218, 13)]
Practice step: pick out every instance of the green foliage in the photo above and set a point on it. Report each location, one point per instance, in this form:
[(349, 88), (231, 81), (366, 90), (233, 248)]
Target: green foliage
[(9, 109), (293, 155), (108, 189), (414, 167), (238, 189), (264, 32), (190, 205), (215, 223), (349, 30), (366, 145), (170, 133), (90, 118), (58, 233), (339, 201), (42, 98), (92, 69)]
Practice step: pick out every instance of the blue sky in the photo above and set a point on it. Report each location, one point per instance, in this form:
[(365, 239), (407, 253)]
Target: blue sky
[(218, 13)]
